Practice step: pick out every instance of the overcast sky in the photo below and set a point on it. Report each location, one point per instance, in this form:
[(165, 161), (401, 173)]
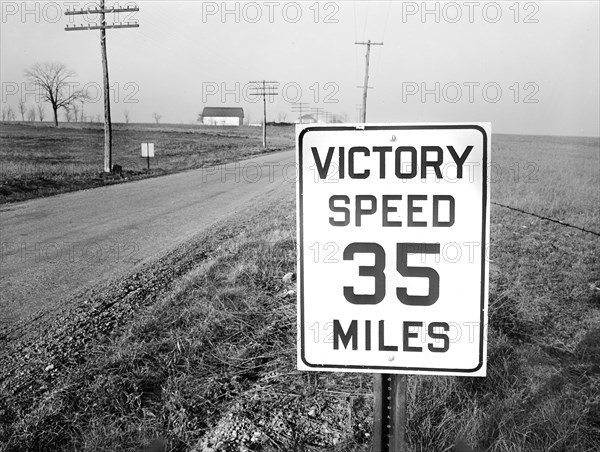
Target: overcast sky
[(529, 68)]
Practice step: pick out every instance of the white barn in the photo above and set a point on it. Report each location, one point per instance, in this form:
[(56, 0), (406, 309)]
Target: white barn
[(222, 116), (306, 119)]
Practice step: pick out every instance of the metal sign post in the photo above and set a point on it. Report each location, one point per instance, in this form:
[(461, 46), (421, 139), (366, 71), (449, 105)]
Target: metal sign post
[(389, 413)]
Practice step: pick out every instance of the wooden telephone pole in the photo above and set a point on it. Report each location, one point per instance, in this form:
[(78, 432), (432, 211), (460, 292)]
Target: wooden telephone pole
[(298, 107), (102, 27), (366, 84), (265, 89), (317, 111)]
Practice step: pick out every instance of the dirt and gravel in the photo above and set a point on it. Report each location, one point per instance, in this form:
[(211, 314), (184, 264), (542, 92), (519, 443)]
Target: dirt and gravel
[(33, 361), (53, 249)]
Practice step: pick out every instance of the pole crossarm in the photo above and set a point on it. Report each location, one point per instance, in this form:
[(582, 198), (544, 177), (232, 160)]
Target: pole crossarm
[(101, 27), (105, 10), (369, 43)]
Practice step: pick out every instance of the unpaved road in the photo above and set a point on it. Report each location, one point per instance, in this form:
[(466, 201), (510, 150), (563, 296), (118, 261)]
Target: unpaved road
[(54, 248)]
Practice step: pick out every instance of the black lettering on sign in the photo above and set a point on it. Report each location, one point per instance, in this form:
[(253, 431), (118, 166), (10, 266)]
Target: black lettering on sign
[(345, 336), (323, 169), (367, 335), (438, 339), (435, 164), (444, 337), (402, 252), (406, 161), (376, 271), (342, 162), (351, 172), (387, 209), (413, 162), (381, 150), (359, 209), (460, 161), (406, 336), (345, 211), (382, 346), (436, 210), (412, 209)]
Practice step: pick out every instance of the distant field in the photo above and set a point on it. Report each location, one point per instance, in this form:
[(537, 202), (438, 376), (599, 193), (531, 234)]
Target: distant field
[(40, 160), (558, 177)]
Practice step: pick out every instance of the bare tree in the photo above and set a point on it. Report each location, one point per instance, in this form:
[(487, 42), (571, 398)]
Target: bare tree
[(82, 113), (68, 115), (10, 114), (281, 117), (41, 111), (126, 114), (22, 108), (156, 117), (75, 109), (53, 80), (4, 112), (31, 114)]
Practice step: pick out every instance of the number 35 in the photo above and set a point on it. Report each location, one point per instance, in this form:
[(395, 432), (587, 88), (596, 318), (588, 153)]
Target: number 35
[(377, 271)]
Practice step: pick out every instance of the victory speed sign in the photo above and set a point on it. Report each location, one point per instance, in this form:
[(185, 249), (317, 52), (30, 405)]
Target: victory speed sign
[(393, 230)]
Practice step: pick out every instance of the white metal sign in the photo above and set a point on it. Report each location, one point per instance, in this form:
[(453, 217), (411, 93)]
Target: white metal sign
[(147, 149), (393, 227)]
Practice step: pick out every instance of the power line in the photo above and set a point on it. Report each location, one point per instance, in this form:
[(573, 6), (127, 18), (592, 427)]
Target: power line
[(102, 27), (366, 86), (387, 16)]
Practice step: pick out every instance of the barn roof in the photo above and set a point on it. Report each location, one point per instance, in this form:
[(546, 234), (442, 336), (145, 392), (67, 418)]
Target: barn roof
[(228, 112)]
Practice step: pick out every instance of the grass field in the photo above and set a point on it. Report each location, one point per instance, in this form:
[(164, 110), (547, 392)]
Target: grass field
[(40, 160), (211, 365)]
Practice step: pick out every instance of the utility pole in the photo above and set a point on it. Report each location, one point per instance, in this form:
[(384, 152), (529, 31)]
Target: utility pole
[(366, 83), (317, 110), (297, 107), (267, 89), (359, 109), (102, 27)]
